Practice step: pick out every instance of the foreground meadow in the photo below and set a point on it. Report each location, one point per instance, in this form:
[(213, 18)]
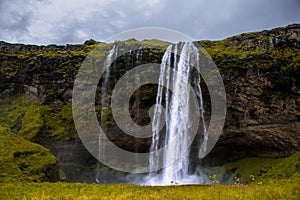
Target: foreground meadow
[(62, 191)]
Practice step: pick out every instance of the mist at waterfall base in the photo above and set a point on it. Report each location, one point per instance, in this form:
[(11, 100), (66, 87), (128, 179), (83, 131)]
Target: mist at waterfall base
[(174, 110)]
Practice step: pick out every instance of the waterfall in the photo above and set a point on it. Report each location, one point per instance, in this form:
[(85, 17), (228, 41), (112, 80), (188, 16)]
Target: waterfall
[(104, 104), (178, 118), (172, 109)]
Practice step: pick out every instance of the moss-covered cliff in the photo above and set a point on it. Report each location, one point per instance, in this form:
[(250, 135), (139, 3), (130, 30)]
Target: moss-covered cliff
[(261, 72), (22, 160)]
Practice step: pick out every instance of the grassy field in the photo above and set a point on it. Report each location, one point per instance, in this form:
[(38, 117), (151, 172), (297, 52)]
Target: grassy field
[(62, 191)]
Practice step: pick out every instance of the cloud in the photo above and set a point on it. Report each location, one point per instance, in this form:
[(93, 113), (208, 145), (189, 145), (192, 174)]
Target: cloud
[(13, 20), (74, 21), (216, 19)]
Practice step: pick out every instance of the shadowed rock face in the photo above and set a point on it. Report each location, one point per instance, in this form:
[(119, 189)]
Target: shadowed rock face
[(261, 75), (262, 118)]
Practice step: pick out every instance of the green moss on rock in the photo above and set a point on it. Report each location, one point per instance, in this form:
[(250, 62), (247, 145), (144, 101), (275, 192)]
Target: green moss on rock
[(264, 170), (59, 123), (35, 122), (21, 160), (32, 121)]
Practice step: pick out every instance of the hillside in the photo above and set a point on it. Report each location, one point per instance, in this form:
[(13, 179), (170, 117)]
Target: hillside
[(261, 73)]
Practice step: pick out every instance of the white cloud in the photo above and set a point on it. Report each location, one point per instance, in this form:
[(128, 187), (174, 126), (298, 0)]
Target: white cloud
[(76, 20), (73, 21)]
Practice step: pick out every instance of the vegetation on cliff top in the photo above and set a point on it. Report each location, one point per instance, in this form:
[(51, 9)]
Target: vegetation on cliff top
[(281, 59)]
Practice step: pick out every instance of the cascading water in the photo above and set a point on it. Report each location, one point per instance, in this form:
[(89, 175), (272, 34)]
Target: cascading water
[(176, 156), (181, 58), (104, 93)]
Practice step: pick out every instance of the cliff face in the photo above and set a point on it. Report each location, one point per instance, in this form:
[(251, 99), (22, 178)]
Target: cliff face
[(262, 116), (280, 37), (261, 73)]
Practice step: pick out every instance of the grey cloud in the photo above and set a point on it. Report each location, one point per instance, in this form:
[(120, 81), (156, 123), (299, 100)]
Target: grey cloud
[(13, 20), (218, 19), (27, 22)]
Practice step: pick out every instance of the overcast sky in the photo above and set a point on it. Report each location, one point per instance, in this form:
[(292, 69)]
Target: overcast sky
[(74, 21)]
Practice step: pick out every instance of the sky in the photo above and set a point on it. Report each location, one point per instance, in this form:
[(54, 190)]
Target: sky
[(74, 21)]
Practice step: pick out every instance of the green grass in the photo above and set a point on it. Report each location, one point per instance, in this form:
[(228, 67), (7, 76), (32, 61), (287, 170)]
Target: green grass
[(21, 160), (264, 187), (265, 170), (62, 191), (227, 55)]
